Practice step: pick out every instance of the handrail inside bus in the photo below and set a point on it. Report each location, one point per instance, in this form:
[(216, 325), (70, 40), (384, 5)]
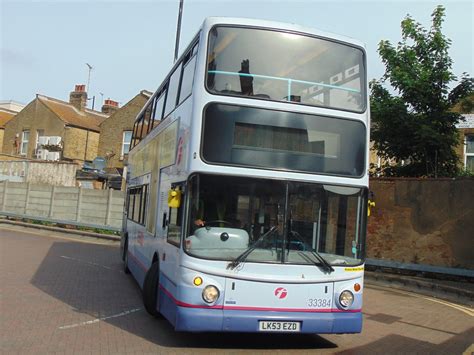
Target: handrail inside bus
[(289, 80)]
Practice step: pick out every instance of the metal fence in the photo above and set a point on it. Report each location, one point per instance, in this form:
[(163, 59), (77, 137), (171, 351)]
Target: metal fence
[(65, 205)]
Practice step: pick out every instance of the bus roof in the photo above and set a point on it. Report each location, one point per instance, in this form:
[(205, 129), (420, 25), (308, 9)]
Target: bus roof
[(209, 22)]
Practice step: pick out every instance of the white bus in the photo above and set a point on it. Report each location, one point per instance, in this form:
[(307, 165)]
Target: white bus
[(247, 183)]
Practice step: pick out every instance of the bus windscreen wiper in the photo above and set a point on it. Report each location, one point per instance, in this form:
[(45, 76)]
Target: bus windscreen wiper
[(318, 256), (241, 258)]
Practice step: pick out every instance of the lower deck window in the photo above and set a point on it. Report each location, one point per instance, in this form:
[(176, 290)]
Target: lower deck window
[(137, 204)]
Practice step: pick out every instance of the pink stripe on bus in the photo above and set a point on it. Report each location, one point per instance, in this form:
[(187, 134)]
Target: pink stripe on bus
[(188, 305), (243, 308)]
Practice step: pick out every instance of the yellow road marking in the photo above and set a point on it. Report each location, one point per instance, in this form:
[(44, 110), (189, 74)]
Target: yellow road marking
[(459, 307), (469, 350)]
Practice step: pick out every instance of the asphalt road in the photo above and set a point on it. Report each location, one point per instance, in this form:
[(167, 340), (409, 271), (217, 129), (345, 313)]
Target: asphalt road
[(68, 294)]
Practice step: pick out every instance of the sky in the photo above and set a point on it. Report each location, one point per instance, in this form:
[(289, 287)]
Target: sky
[(45, 45)]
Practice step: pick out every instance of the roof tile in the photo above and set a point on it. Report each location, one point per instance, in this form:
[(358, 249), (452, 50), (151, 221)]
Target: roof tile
[(5, 116), (70, 115)]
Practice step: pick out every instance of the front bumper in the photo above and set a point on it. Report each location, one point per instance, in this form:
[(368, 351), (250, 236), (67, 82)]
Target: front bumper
[(218, 320)]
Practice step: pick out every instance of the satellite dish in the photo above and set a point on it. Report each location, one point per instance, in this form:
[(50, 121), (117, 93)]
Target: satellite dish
[(99, 163)]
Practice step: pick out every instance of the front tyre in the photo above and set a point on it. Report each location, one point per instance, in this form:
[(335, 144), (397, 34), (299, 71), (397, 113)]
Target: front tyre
[(150, 290)]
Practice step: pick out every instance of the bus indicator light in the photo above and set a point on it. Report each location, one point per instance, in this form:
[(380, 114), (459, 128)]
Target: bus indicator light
[(356, 287), (197, 281)]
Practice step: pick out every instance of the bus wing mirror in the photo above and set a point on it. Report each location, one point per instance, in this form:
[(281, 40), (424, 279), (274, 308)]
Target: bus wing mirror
[(174, 198)]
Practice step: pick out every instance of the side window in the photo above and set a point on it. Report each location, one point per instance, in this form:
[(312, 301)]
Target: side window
[(134, 135), (173, 90), (158, 110), (129, 204), (140, 133), (137, 131), (147, 120), (175, 221), (137, 204), (187, 82), (144, 204)]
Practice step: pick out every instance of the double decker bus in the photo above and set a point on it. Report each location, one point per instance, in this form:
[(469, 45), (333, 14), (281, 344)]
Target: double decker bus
[(247, 183)]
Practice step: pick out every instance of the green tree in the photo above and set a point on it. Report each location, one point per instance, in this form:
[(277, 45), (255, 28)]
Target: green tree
[(417, 126), (462, 96)]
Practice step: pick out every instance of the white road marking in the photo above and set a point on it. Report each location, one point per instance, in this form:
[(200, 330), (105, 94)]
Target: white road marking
[(459, 307), (87, 262), (97, 320)]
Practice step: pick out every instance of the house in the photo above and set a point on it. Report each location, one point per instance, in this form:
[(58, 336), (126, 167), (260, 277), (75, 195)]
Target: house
[(51, 129), (5, 116), (11, 105), (116, 131), (465, 150)]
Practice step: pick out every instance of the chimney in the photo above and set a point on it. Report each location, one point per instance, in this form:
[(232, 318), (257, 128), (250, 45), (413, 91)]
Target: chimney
[(78, 98), (110, 106)]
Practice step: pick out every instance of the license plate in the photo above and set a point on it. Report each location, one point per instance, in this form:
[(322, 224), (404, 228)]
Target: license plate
[(272, 326)]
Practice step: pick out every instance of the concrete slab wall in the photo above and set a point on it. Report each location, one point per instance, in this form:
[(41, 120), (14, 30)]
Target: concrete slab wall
[(423, 221), (59, 203)]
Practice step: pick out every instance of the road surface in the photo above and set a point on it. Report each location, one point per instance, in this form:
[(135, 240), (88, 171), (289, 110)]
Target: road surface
[(68, 294)]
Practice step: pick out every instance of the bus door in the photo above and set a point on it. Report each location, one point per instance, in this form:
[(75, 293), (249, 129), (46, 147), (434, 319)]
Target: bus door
[(172, 223)]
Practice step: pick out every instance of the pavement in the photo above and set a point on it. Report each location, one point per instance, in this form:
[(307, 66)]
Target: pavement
[(458, 291), (455, 291)]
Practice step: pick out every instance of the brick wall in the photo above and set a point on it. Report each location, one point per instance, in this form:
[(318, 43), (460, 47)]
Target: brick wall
[(425, 221), (111, 130), (77, 140), (43, 172), (2, 132)]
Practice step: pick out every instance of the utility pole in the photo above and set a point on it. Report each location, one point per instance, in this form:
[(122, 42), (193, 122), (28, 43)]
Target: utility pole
[(89, 80), (89, 76), (178, 30)]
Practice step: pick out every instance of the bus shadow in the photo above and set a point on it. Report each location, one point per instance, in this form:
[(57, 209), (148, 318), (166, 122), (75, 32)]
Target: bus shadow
[(89, 278)]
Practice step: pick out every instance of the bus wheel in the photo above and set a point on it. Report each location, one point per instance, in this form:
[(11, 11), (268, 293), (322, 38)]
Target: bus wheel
[(125, 257), (150, 289)]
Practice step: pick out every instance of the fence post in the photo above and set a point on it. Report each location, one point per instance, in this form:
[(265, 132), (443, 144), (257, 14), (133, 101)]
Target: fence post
[(4, 202), (79, 201), (28, 187), (51, 202), (109, 207)]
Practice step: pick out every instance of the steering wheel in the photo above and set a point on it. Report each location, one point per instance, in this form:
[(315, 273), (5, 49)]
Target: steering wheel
[(218, 221)]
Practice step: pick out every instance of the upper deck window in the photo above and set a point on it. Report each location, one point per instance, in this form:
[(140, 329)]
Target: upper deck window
[(281, 66)]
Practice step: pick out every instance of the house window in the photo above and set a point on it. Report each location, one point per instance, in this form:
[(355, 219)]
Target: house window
[(39, 143), (469, 153), (25, 137), (127, 137)]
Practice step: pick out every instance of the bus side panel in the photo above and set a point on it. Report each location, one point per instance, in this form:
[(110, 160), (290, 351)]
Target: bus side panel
[(136, 261), (167, 301)]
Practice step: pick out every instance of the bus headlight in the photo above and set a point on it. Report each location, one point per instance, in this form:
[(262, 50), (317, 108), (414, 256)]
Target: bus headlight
[(346, 298), (210, 294)]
